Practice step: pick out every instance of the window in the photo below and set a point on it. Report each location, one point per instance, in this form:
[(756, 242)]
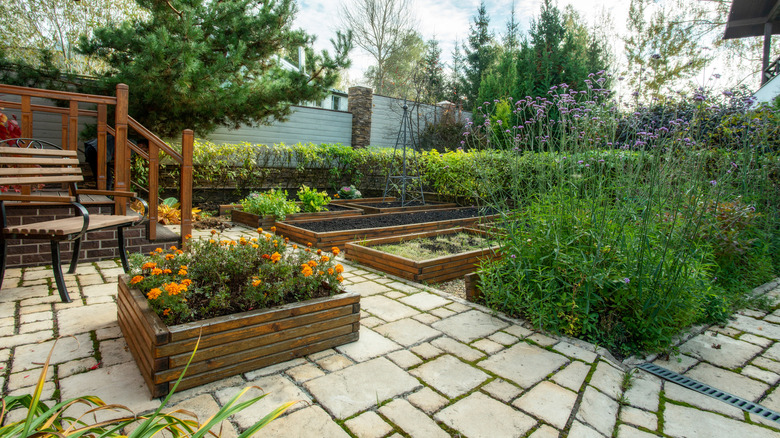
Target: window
[(336, 102)]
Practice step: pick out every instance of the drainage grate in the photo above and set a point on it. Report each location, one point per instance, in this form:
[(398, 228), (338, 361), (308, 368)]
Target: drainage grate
[(733, 400)]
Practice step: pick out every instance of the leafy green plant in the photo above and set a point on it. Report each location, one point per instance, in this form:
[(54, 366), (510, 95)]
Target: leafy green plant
[(42, 420), (312, 200), (273, 202), (213, 277), (349, 192)]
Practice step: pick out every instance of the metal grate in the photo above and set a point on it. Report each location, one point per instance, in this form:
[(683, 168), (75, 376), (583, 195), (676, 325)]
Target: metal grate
[(703, 388)]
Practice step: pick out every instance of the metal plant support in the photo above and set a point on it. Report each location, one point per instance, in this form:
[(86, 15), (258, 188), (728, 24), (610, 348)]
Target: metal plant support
[(404, 183)]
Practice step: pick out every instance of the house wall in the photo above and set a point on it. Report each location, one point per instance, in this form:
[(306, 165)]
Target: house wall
[(768, 91), (305, 125)]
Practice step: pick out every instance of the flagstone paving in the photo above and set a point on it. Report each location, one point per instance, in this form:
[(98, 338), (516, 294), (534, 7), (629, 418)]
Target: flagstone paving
[(427, 364)]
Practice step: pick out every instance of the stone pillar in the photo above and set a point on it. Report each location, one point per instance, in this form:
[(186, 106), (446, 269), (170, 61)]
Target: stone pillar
[(360, 104)]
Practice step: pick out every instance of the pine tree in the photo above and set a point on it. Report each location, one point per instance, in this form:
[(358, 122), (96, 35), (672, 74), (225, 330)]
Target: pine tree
[(201, 64), (433, 81), (480, 54)]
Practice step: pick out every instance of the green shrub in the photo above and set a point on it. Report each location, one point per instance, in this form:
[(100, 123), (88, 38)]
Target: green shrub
[(312, 201), (273, 202)]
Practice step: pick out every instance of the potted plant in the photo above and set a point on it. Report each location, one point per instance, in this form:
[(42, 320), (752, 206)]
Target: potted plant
[(254, 302)]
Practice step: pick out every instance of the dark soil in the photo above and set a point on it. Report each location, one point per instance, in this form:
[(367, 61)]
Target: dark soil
[(437, 245), (390, 204), (389, 220), (212, 223)]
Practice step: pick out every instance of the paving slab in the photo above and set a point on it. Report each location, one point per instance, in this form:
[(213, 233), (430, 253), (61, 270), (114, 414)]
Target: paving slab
[(456, 348), (681, 394), (86, 319), (575, 352), (685, 422), (278, 390), (426, 350), (404, 358), (545, 431), (626, 431), (386, 308), (598, 410), (369, 345), (728, 381), (479, 416), (572, 376), (607, 379), (524, 364), (357, 388), (311, 422), (204, 406), (425, 301), (368, 425), (549, 402), (368, 288), (722, 351), (638, 417), (644, 391), (502, 390), (66, 349), (412, 420), (450, 376), (407, 331), (470, 325), (427, 400), (755, 326)]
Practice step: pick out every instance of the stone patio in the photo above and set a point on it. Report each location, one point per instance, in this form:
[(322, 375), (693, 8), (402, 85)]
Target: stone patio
[(427, 365)]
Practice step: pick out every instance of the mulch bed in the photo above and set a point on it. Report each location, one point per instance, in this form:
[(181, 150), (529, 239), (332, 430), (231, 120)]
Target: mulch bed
[(390, 204), (389, 220)]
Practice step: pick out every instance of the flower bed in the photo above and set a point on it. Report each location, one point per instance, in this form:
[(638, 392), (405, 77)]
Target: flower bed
[(255, 303), (434, 270), (433, 220), (267, 221), (231, 344)]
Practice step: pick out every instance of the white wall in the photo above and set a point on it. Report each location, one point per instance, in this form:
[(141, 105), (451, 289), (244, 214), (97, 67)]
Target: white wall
[(768, 91)]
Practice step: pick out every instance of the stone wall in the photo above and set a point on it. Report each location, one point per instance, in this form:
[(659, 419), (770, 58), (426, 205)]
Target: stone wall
[(361, 107)]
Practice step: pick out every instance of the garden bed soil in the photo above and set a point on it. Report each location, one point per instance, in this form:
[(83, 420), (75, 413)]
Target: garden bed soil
[(232, 344), (397, 206), (267, 221), (439, 269), (326, 233)]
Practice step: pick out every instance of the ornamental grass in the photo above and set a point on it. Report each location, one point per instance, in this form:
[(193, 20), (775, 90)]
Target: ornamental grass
[(217, 276)]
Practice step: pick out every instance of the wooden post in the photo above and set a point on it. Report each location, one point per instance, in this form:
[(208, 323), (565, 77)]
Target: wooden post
[(767, 51), (73, 126), (187, 145), (102, 159), (64, 140), (27, 118), (121, 172), (154, 182)]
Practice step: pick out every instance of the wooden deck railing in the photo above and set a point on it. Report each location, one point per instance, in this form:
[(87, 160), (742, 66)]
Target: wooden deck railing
[(122, 147)]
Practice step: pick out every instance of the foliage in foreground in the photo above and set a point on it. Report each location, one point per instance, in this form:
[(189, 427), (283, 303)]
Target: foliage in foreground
[(273, 202), (214, 277), (42, 420)]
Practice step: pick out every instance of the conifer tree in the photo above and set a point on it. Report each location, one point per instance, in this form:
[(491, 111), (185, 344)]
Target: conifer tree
[(201, 64), (479, 54), (433, 81)]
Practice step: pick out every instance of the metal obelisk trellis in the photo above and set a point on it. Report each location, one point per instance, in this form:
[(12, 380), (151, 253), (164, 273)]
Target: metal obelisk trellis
[(400, 183)]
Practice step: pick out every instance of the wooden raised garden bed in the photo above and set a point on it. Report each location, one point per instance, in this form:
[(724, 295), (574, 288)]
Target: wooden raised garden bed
[(254, 221), (326, 239), (371, 207), (435, 270), (231, 344), (224, 208)]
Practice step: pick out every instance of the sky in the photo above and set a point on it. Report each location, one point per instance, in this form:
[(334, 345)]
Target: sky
[(445, 20)]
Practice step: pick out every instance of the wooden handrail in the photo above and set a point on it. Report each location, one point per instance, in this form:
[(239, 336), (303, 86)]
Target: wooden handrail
[(54, 94), (149, 135)]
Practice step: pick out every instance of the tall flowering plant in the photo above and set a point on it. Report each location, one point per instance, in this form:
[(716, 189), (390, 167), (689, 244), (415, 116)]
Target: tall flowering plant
[(217, 276)]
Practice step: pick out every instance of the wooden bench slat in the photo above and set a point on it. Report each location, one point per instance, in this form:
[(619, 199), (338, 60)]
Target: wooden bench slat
[(14, 171), (35, 198), (37, 152), (71, 225), (5, 181), (41, 161)]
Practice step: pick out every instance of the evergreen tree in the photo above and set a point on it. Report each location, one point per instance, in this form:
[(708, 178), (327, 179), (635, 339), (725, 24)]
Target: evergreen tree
[(433, 81), (480, 54), (201, 64), (511, 37), (500, 80), (455, 85)]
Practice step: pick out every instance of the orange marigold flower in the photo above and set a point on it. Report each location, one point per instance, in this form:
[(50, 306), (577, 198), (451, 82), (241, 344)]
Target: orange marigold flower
[(169, 256), (154, 293), (308, 250), (320, 273), (339, 278), (166, 312), (335, 250), (157, 271), (255, 246), (173, 248), (242, 240), (188, 237), (213, 232), (339, 268), (186, 282), (256, 283), (307, 271), (286, 239), (149, 265), (179, 252), (324, 259), (167, 271), (211, 241), (158, 250), (273, 229), (295, 246), (275, 257), (330, 271), (319, 252), (312, 263), (260, 231), (254, 239), (266, 257), (182, 272), (137, 279), (183, 267), (308, 244)]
